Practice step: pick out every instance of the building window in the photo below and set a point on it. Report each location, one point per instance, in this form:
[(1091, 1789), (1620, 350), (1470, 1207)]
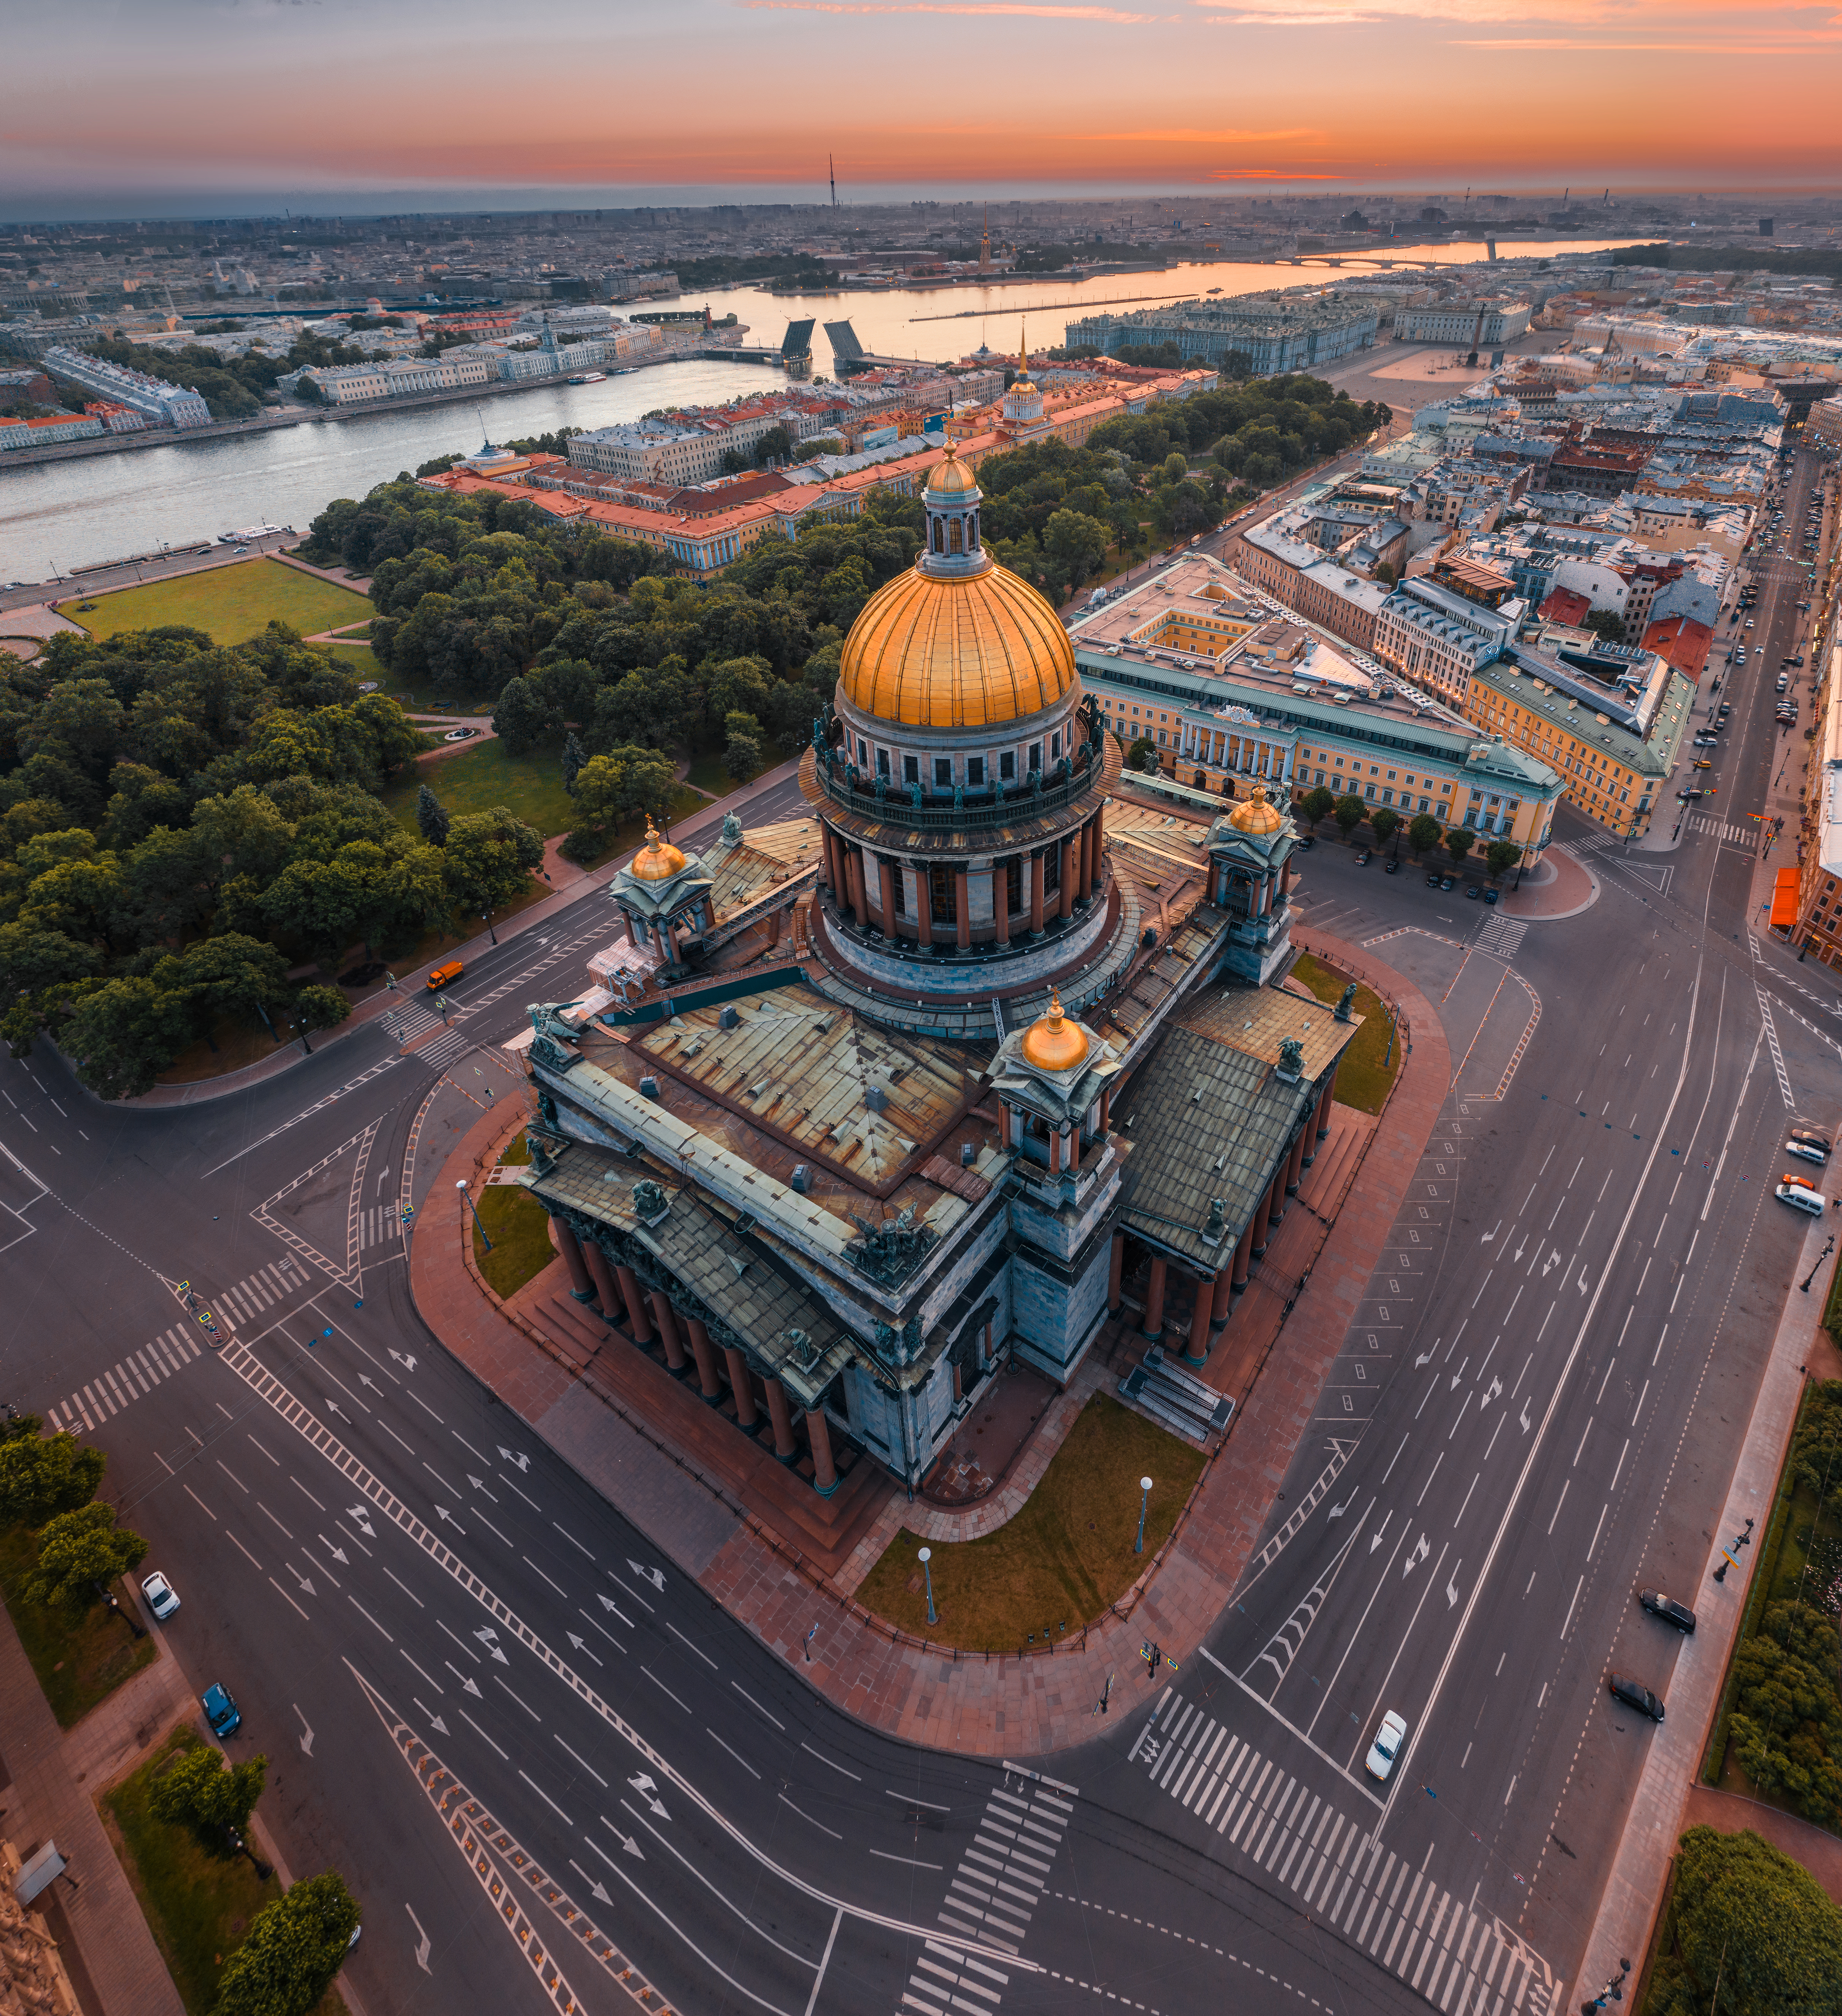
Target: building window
[(911, 769), (1036, 752), (940, 882), (1054, 743), (863, 753), (1013, 885), (899, 883), (1007, 767), (882, 762), (975, 773), (1052, 870), (943, 773)]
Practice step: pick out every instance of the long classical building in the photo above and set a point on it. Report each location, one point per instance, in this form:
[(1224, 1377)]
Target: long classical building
[(1028, 1040)]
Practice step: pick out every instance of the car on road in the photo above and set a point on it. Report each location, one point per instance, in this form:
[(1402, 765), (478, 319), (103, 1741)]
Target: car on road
[(1634, 1693), (1701, 763), (1386, 1746), (1668, 1609), (1362, 857), (161, 1599), (1472, 892), (1784, 681), (1688, 797), (1391, 868), (1445, 882), (1749, 623), (221, 1712), (1306, 840), (1805, 1151), (440, 976), (1492, 896), (1812, 1138), (1432, 880), (1801, 1194)]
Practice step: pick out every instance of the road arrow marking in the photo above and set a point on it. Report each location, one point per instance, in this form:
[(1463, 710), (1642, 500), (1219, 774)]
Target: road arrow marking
[(307, 1588), (365, 1379), (1425, 1358), (1379, 1530), (362, 1517), (1525, 1424), (1496, 1386), (344, 1417), (643, 1784), (1420, 1552), (1337, 1511), (595, 1888), (442, 1512), (580, 1645), (1489, 1235), (307, 1740), (607, 1603), (404, 1358), (422, 1952), (338, 1553), (1451, 1587), (479, 1484), (653, 1576), (489, 1638), (522, 1462)]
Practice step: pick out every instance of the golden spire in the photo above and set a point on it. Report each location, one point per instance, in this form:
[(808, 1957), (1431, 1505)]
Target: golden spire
[(1053, 1043)]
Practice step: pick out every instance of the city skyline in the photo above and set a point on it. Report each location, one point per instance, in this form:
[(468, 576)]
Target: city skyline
[(425, 110)]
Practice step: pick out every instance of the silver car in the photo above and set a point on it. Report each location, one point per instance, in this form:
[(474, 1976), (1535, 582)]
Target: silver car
[(162, 1599)]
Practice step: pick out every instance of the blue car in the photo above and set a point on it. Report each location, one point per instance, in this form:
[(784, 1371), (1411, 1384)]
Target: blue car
[(221, 1712)]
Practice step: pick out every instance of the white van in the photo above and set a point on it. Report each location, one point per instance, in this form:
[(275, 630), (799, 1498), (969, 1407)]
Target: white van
[(1797, 1191)]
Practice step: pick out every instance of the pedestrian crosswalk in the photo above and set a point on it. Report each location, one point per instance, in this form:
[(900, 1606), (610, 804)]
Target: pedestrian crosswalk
[(1725, 829), (409, 1021), (1463, 1962), (378, 1226), (992, 1897), (100, 1399), (250, 1299), (1501, 935), (439, 1054)]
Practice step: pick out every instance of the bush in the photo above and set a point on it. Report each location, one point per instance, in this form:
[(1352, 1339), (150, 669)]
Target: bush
[(1752, 1920), (294, 1948)]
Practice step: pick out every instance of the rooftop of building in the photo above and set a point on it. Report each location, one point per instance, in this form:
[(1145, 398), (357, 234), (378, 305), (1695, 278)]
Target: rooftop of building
[(1642, 732)]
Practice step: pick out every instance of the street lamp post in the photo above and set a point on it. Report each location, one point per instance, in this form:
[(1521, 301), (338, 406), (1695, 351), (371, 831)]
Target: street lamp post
[(1828, 1247), (1732, 1556), (462, 1186), (1144, 1500), (486, 918), (925, 1556)]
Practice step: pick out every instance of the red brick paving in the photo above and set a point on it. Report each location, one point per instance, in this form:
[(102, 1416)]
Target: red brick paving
[(1277, 1357)]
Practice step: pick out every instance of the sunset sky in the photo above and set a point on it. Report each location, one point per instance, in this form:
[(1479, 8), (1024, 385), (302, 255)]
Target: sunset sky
[(190, 105)]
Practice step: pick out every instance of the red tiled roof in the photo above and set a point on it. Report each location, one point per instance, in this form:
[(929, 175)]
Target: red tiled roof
[(1682, 641), (1565, 605)]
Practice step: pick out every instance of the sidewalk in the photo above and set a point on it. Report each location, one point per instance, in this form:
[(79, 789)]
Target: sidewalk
[(991, 1706), (54, 1779), (1566, 887), (1666, 1791), (363, 1013)]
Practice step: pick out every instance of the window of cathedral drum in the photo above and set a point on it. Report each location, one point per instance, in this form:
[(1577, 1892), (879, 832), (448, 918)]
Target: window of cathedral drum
[(954, 536), (939, 546), (1007, 767), (899, 882), (1013, 885), (911, 769), (972, 532), (882, 762), (1051, 869), (975, 773), (943, 773), (1036, 755), (940, 889)]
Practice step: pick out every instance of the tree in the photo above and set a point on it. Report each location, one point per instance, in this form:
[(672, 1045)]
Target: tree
[(200, 1789), (613, 788), (1176, 467), (1073, 544), (1500, 856), (776, 445), (79, 1550), (124, 1033), (572, 759), (1606, 623), (230, 974), (431, 817), (1385, 573), (1349, 813), (1460, 840), (1423, 834), (319, 1008), (522, 718), (1316, 804), (42, 1475), (293, 1949), (1385, 823), (488, 859), (1753, 1921), (741, 750), (1142, 755), (1787, 1717)]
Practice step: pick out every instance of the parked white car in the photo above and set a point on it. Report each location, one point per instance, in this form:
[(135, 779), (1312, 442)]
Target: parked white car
[(1386, 1746), (162, 1599)]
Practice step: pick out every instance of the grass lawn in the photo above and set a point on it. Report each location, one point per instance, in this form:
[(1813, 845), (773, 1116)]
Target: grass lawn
[(707, 772), (519, 1227), (198, 1901), (1065, 1556), (229, 603), (529, 787), (362, 659), (79, 1661), (1362, 1079)]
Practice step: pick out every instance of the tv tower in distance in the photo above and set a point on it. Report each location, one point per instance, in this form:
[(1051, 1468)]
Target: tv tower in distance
[(831, 169)]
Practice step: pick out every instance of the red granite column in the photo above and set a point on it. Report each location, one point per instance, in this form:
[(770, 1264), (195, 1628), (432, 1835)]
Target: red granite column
[(1324, 1107), (834, 858), (1036, 893), (570, 1247), (1295, 1163), (886, 877), (1001, 900), (785, 1449), (1199, 1309), (825, 1475), (675, 1360), (636, 1305), (704, 1352), (1275, 1202), (962, 907), (606, 1292), (1054, 1150), (1066, 844), (1244, 1254), (1099, 843), (854, 864), (1154, 1325), (1115, 1269), (924, 905), (1223, 1299), (743, 1387)]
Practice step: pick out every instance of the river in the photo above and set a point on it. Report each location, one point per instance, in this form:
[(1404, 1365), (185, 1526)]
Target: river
[(61, 515)]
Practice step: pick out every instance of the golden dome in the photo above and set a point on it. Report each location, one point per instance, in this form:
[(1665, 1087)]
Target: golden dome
[(956, 651), (950, 477), (658, 860), (1053, 1043), (1255, 815)]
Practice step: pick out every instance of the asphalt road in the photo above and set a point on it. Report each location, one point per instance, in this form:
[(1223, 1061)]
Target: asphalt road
[(1537, 1410)]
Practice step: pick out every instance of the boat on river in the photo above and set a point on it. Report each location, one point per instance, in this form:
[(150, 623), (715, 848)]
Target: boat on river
[(250, 533), (588, 378)]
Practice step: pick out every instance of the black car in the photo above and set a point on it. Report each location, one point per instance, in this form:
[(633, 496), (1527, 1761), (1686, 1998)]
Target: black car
[(1668, 1609), (1812, 1138), (1391, 868), (1446, 881), (1361, 857), (1432, 880), (1307, 840), (1472, 892), (1634, 1693)]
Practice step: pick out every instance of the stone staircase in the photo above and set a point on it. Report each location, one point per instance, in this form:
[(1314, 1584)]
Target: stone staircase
[(1159, 1387)]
